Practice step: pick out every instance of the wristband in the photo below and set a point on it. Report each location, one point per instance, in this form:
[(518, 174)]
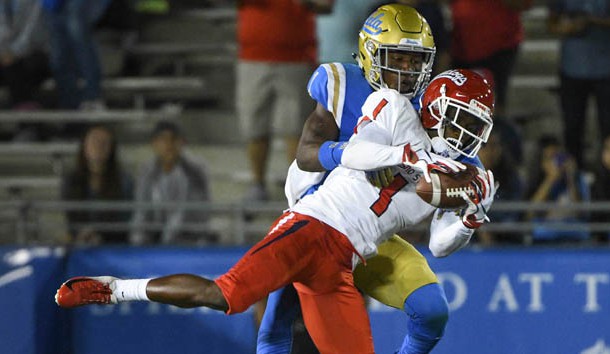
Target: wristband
[(131, 290), (330, 153)]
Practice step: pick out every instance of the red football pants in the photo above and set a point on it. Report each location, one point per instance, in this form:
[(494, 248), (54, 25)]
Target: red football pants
[(318, 259)]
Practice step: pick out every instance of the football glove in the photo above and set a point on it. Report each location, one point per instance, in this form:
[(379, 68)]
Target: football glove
[(426, 162), (475, 212), (380, 178), (80, 291)]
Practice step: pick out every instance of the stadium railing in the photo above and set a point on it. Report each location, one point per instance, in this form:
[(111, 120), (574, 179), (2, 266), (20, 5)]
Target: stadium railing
[(29, 222)]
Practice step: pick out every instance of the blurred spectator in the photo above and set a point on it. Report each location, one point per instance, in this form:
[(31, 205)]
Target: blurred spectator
[(556, 178), (337, 32), (23, 58), (97, 176), (584, 28), (486, 35), (74, 54), (601, 189), (170, 177), (498, 156), (277, 53), (432, 11)]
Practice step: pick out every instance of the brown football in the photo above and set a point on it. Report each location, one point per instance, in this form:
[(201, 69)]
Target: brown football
[(444, 191)]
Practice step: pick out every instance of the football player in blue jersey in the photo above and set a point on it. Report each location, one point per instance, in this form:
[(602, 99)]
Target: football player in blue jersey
[(396, 50)]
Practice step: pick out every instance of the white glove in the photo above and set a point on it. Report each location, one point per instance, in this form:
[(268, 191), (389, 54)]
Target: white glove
[(484, 188), (426, 162)]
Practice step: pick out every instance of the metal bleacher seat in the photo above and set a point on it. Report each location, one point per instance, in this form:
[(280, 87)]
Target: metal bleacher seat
[(55, 152), (14, 186), (180, 52), (105, 116), (142, 87), (542, 82)]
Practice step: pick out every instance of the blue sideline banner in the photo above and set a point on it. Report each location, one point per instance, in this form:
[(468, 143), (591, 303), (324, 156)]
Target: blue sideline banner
[(30, 322), (502, 302), (527, 301), (518, 302), (154, 328)]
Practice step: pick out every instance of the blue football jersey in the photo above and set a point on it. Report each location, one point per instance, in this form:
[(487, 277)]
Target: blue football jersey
[(342, 89)]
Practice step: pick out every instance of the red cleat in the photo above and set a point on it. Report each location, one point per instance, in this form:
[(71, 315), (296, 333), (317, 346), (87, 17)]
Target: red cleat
[(80, 291)]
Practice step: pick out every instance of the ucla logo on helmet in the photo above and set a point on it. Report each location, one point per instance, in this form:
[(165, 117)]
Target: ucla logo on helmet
[(454, 76), (372, 25)]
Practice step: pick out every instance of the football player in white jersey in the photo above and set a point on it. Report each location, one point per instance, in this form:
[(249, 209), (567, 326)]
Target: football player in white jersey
[(316, 243), (396, 50)]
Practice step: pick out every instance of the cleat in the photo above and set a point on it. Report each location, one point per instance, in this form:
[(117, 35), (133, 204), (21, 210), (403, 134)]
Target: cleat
[(81, 291)]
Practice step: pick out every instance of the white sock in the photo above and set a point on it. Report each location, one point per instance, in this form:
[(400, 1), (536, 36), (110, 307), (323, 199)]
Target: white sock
[(130, 290)]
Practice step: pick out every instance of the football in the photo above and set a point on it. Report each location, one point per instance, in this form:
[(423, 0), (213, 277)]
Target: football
[(445, 189)]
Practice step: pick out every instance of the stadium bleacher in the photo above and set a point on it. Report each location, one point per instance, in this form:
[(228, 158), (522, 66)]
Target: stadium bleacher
[(178, 68)]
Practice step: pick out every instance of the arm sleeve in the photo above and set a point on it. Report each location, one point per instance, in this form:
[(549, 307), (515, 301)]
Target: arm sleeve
[(365, 155), (328, 86), (388, 123), (447, 233), (316, 87)]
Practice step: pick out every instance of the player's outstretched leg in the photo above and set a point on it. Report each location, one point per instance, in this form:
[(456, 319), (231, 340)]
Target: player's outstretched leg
[(183, 290), (428, 312)]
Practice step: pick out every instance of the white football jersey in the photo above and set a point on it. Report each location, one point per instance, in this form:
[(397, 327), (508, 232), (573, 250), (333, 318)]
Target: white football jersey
[(348, 202)]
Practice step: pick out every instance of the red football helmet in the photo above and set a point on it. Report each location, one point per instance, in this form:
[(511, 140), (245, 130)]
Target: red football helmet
[(459, 105)]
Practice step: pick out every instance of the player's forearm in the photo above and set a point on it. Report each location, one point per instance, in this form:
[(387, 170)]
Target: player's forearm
[(307, 157), (320, 128), (366, 155), (448, 234)]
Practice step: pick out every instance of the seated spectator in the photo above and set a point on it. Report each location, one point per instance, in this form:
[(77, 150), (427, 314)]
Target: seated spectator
[(97, 177), (498, 156), (601, 189), (170, 177), (556, 178)]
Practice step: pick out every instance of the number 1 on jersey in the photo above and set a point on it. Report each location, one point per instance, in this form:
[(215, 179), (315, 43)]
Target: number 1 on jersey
[(386, 193)]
